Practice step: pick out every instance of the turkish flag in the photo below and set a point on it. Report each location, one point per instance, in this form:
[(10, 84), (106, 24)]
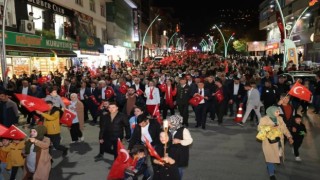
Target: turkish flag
[(65, 101), (162, 87), (32, 103), (109, 92), (67, 117), (300, 91), (151, 150), (94, 99), (195, 100), (3, 129), (43, 80), (62, 91), (219, 96), (280, 26), (14, 132), (122, 162), (139, 92), (123, 88), (156, 113)]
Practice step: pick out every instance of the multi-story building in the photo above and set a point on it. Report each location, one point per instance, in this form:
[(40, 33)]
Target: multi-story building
[(300, 22)]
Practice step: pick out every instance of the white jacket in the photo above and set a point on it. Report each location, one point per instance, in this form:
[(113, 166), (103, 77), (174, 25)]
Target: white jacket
[(156, 96)]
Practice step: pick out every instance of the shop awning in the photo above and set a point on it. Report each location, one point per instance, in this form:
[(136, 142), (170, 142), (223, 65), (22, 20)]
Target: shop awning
[(64, 53), (28, 51)]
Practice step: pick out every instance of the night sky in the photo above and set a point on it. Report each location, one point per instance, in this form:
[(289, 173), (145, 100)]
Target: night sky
[(196, 16)]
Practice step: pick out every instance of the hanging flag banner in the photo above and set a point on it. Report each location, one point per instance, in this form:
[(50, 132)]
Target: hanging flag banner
[(291, 49)]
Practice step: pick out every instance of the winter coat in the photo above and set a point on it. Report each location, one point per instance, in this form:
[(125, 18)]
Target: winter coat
[(43, 161), (14, 157), (271, 151)]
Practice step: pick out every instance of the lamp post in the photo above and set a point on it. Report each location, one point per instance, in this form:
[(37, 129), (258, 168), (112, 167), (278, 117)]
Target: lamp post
[(145, 34), (295, 24), (171, 39), (206, 45), (178, 42), (184, 45), (284, 35), (224, 40), (214, 46), (3, 49)]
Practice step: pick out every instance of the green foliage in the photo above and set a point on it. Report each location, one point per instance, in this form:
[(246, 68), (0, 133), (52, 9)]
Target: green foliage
[(240, 45)]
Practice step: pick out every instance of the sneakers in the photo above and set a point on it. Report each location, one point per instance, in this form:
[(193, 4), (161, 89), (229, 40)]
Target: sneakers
[(99, 156), (298, 159), (240, 124), (81, 139)]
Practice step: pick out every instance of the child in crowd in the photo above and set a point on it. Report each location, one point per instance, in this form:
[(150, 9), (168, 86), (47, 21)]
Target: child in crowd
[(15, 157), (298, 131), (139, 166), (3, 159)]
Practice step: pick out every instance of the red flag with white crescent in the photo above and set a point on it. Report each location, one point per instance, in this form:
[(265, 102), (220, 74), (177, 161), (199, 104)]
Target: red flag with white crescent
[(66, 101), (139, 92), (14, 132), (300, 91), (32, 103), (123, 88), (151, 150), (156, 113), (123, 161), (109, 92), (195, 100), (67, 117)]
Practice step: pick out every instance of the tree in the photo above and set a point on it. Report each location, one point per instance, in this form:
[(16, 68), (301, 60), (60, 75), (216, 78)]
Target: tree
[(240, 46)]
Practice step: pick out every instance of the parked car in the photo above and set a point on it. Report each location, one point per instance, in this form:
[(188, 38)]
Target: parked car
[(292, 76)]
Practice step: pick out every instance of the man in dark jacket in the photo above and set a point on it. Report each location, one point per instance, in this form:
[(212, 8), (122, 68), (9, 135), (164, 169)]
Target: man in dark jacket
[(115, 124), (149, 129), (182, 100), (8, 110)]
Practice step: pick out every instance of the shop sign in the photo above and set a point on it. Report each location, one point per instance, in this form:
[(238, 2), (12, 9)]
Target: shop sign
[(26, 40), (127, 44), (87, 52), (31, 54), (48, 5), (90, 43)]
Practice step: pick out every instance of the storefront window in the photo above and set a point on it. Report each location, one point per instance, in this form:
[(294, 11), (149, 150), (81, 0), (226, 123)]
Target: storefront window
[(21, 65), (59, 26), (36, 17)]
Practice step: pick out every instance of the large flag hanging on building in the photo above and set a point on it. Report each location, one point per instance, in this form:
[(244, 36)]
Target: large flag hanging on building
[(291, 49), (300, 91), (280, 25), (119, 165), (32, 103)]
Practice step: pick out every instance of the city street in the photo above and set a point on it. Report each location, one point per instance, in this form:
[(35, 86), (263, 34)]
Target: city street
[(225, 152)]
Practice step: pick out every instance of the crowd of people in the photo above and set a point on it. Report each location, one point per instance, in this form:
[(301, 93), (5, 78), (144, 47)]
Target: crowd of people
[(126, 98)]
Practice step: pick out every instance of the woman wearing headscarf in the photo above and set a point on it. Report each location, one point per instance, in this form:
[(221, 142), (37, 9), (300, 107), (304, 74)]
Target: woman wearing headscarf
[(181, 138), (76, 128), (273, 150), (38, 160)]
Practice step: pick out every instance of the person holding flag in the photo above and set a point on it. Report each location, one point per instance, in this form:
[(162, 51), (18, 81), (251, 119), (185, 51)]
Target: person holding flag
[(153, 97), (146, 128), (8, 110)]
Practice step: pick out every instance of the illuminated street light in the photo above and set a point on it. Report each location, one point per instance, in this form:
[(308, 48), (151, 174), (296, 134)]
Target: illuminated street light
[(284, 35), (178, 42), (184, 45), (224, 40), (171, 39), (145, 34)]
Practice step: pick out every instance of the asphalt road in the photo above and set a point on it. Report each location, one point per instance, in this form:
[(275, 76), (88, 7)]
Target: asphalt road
[(225, 152)]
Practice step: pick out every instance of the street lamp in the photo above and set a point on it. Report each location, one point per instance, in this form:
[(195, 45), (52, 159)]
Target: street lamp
[(3, 50), (184, 45), (214, 46), (205, 43), (171, 39), (284, 35), (145, 34), (178, 42), (224, 40)]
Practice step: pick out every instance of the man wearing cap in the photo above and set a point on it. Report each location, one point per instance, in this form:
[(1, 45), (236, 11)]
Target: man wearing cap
[(182, 100)]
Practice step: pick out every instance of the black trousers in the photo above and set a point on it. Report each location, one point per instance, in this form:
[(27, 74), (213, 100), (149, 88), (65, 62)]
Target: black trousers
[(55, 139), (75, 132), (109, 146), (296, 145), (14, 171), (184, 112), (221, 110), (85, 105), (236, 101), (201, 114), (165, 111)]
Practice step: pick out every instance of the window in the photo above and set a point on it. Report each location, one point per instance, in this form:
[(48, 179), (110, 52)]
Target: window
[(92, 6), (37, 17), (104, 35), (103, 10), (79, 2)]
